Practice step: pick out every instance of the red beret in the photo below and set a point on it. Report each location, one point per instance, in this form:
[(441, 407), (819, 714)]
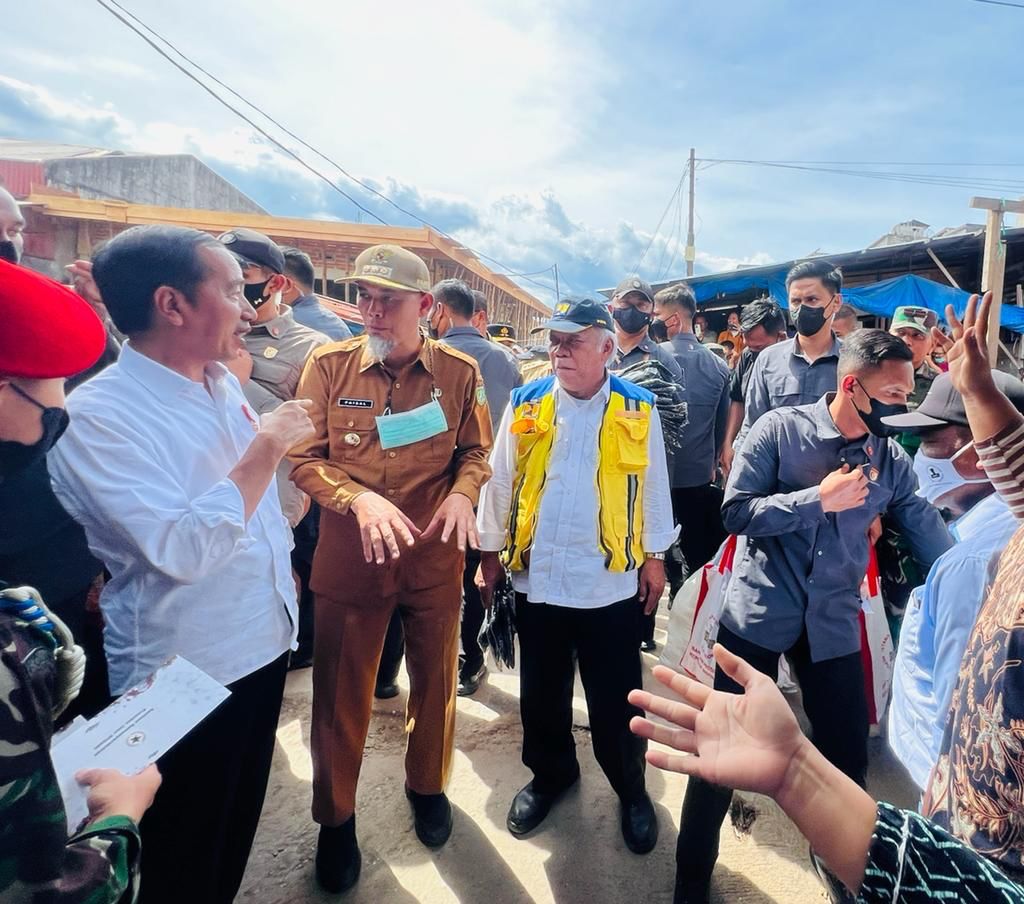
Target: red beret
[(46, 329)]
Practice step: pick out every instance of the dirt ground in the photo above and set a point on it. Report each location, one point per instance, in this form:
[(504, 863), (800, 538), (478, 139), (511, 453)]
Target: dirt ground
[(577, 856)]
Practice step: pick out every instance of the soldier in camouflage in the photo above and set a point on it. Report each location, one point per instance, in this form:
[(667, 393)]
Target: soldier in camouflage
[(53, 334)]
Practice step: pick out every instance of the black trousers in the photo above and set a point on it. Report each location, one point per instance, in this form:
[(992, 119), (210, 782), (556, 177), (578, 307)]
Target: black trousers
[(472, 620), (833, 697), (699, 512), (606, 643), (197, 835)]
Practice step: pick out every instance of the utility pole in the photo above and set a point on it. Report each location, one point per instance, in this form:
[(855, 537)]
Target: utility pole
[(993, 268), (690, 250), (558, 295)]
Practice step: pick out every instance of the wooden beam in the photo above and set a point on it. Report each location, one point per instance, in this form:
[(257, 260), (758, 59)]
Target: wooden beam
[(942, 267), (997, 204)]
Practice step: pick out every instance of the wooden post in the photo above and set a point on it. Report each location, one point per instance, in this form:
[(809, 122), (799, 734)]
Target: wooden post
[(993, 268)]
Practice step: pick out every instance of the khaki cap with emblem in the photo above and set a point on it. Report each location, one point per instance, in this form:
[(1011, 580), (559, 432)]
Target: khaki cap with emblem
[(392, 267)]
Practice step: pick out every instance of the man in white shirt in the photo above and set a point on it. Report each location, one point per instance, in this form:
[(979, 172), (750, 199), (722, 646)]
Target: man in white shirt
[(579, 502), (171, 474)]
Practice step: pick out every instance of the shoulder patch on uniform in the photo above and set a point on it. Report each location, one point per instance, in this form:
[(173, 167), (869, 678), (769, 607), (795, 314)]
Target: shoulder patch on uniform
[(481, 393)]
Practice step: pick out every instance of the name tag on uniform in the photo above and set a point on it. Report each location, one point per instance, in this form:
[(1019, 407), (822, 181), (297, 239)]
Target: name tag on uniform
[(355, 403), (414, 426)]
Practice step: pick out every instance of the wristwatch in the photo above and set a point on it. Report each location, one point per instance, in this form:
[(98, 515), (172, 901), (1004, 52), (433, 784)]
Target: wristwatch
[(655, 555)]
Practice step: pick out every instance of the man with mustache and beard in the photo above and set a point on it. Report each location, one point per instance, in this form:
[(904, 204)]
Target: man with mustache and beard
[(396, 462)]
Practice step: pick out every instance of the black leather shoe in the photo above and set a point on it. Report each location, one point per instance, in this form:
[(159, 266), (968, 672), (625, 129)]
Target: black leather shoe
[(639, 825), (433, 815), (648, 646), (470, 684), (338, 860), (385, 691), (530, 807)]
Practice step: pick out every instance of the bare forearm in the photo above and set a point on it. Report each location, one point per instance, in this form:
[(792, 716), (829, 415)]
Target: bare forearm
[(255, 470), (832, 812), (989, 412), (732, 427)]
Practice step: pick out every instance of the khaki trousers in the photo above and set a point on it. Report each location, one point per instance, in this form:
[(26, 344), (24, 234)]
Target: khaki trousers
[(349, 636)]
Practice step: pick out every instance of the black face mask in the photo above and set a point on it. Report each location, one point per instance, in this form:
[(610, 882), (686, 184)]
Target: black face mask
[(632, 320), (16, 456), (658, 331), (809, 321), (878, 410), (9, 253), (254, 293)]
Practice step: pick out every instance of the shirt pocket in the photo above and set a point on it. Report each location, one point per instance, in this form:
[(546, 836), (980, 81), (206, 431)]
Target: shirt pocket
[(788, 391), (631, 442), (353, 435), (277, 374)]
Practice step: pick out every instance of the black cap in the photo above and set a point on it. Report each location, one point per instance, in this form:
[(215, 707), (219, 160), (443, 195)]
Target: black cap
[(502, 331), (944, 405), (576, 315), (252, 247), (634, 284)]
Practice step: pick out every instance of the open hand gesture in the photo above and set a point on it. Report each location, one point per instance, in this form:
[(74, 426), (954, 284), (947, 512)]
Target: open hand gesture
[(746, 741)]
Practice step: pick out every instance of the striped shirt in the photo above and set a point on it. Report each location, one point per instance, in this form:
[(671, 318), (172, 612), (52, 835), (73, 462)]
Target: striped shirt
[(1002, 457)]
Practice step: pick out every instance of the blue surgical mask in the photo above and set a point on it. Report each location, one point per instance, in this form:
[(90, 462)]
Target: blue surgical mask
[(938, 476), (409, 427)]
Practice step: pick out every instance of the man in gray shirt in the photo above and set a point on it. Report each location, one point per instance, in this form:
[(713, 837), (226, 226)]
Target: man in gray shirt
[(804, 487), (633, 310), (802, 369), (306, 307), (704, 378)]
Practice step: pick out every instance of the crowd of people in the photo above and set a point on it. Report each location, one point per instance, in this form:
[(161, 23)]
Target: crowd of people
[(237, 480)]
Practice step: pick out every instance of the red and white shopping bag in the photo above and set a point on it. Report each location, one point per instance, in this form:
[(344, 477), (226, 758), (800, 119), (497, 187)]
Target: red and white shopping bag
[(877, 651), (696, 610)]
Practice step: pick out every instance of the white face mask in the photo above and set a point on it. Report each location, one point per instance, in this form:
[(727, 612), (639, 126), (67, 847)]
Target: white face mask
[(938, 476)]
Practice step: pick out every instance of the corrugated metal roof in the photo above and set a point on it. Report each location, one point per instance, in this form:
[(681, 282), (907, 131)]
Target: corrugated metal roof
[(19, 176), (39, 151)]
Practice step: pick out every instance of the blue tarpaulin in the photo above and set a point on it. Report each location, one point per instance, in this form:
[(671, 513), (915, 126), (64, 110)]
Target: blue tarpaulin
[(880, 299)]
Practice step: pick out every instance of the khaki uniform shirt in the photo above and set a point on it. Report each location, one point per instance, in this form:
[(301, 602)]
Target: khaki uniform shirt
[(344, 458), (279, 349)]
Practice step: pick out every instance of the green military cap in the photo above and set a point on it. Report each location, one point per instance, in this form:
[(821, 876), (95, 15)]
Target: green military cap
[(392, 267), (914, 318)]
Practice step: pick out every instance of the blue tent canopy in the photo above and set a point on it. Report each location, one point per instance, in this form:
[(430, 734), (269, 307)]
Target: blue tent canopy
[(881, 298)]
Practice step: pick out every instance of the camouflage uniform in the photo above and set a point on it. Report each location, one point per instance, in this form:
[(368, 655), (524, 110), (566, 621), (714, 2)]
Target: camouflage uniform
[(38, 862)]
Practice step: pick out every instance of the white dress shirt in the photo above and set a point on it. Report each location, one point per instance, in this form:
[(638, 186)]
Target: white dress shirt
[(143, 468), (567, 566)]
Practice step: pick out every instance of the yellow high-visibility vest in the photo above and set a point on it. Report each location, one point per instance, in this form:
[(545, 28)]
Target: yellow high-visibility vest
[(621, 469)]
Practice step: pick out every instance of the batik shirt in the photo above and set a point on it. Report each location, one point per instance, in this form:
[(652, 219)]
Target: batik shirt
[(976, 789), (38, 862)]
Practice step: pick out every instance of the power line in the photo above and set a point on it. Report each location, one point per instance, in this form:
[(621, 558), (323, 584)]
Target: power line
[(107, 4), (657, 229), (1001, 3)]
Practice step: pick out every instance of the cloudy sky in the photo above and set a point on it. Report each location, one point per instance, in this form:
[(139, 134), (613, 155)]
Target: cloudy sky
[(548, 131)]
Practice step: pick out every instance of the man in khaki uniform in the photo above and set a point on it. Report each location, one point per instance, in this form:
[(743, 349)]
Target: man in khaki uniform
[(396, 464)]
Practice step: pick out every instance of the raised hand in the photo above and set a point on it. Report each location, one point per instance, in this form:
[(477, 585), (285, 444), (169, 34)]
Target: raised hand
[(288, 423), (747, 741), (967, 351)]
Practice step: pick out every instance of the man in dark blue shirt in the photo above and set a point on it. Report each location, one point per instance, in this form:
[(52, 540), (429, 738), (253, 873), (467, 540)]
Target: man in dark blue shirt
[(805, 486), (306, 307)]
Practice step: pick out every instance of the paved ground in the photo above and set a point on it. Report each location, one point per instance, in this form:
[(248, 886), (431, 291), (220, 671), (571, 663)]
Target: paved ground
[(577, 855)]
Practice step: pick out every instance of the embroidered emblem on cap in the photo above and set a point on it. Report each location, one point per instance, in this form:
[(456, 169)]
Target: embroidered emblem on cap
[(636, 283), (562, 307), (381, 256)]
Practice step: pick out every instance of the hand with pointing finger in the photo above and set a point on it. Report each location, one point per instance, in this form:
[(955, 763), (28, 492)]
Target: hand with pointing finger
[(384, 528), (843, 489)]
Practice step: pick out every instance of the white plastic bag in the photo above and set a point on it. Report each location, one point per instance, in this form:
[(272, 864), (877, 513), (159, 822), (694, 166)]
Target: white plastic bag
[(877, 651)]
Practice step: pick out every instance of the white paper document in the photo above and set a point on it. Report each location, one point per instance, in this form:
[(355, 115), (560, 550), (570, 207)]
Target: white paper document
[(136, 730)]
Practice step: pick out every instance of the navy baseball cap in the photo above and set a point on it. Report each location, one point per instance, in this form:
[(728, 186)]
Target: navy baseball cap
[(574, 316), (252, 247), (944, 405)]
